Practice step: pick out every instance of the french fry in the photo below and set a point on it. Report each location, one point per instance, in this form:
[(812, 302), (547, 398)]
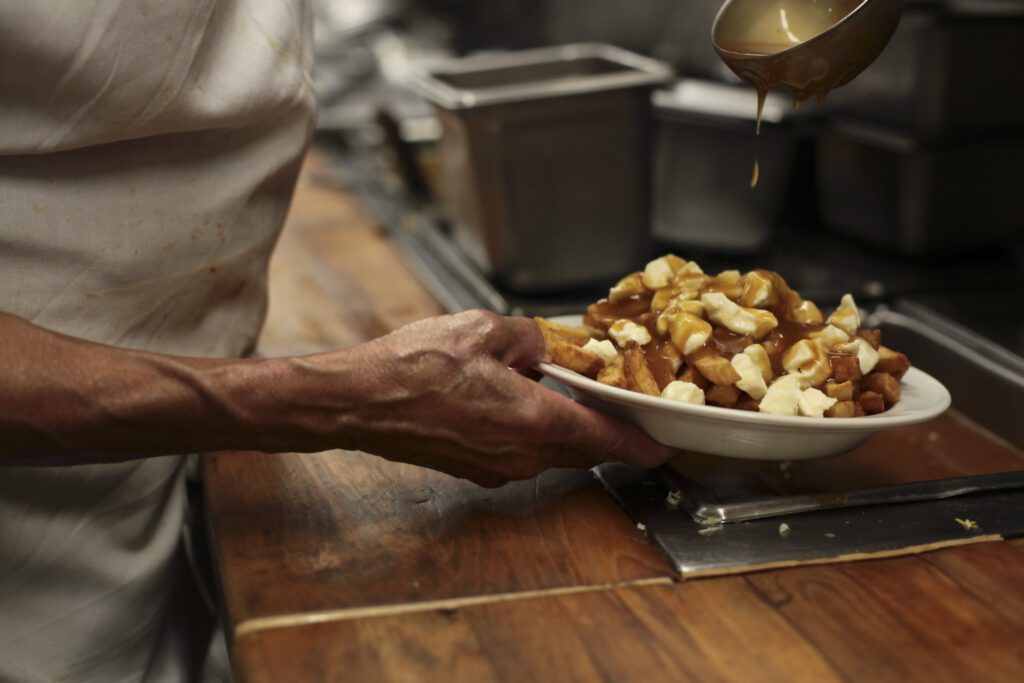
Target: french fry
[(614, 374), (871, 402), (892, 362), (724, 395), (842, 391), (716, 368), (693, 376), (603, 314), (873, 337), (748, 403), (570, 356), (845, 368), (575, 335), (638, 376), (884, 384), (845, 409)]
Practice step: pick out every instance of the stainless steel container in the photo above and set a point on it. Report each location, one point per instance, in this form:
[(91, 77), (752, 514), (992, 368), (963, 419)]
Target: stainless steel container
[(949, 68), (547, 161), (914, 197), (706, 148)]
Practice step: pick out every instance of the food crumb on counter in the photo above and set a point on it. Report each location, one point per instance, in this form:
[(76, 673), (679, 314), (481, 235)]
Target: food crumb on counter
[(829, 534), (674, 498), (784, 530), (641, 526), (967, 524)]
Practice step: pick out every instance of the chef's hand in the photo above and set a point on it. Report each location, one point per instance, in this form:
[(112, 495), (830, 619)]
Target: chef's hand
[(438, 393), (443, 393)]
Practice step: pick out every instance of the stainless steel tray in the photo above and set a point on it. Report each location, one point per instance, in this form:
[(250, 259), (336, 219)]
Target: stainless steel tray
[(705, 507), (529, 75), (837, 535)]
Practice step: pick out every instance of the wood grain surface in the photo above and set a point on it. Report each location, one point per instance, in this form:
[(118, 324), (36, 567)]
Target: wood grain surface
[(877, 621), (904, 619), (648, 634), (346, 530), (354, 552)]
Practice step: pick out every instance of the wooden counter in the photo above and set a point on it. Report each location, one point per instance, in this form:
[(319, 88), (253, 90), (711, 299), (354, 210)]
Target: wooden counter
[(345, 567)]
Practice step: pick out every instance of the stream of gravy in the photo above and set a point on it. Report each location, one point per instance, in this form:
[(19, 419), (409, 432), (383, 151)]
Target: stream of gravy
[(778, 26)]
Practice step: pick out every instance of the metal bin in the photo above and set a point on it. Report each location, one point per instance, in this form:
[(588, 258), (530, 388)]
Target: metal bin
[(705, 155), (547, 161)]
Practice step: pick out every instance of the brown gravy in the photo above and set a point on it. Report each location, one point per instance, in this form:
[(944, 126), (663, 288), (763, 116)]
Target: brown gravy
[(757, 47), (637, 309)]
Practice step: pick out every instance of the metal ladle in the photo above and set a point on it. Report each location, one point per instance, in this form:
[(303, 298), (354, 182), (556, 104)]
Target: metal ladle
[(806, 46)]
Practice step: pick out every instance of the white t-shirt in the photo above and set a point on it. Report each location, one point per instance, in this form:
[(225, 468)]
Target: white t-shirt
[(148, 153)]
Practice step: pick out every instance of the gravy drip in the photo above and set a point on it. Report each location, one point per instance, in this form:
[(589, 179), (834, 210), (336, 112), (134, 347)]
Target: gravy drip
[(760, 51)]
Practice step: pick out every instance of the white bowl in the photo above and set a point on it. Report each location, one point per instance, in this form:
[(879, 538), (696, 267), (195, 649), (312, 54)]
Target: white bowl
[(744, 434)]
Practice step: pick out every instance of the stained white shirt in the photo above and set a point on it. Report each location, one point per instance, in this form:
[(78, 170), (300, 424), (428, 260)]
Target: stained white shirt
[(148, 153)]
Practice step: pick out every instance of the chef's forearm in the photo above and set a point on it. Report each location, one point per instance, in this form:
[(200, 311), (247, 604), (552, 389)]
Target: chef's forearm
[(67, 400)]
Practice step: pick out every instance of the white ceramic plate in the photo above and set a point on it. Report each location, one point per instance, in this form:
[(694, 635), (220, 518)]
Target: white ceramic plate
[(745, 434)]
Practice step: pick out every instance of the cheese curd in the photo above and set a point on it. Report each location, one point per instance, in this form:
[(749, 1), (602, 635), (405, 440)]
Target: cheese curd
[(625, 331), (847, 316), (728, 283), (691, 268), (603, 349), (757, 290), (669, 296), (688, 332), (628, 286), (783, 397), (683, 392), (751, 380), (735, 318), (657, 274), (759, 355), (807, 360), (694, 308), (814, 403), (867, 357), (831, 337), (787, 397), (806, 313), (690, 275)]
